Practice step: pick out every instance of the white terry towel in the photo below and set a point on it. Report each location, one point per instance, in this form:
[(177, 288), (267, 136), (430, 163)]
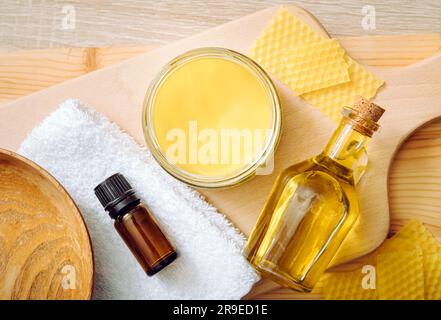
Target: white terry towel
[(81, 148)]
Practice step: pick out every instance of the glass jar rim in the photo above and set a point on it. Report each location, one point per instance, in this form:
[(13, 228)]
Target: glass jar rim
[(248, 170)]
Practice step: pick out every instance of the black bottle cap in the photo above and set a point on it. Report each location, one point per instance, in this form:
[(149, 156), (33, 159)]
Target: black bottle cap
[(115, 193)]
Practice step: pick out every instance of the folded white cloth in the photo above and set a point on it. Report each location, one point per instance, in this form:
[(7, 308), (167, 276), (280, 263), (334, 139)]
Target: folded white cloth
[(81, 148)]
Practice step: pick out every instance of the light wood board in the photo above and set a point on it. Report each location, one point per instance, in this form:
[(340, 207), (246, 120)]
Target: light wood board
[(244, 221)]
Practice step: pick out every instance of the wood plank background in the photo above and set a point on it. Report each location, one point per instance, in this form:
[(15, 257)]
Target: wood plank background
[(415, 177), (25, 71), (37, 24)]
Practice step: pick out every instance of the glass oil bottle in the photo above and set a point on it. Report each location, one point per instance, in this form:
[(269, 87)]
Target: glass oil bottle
[(313, 205)]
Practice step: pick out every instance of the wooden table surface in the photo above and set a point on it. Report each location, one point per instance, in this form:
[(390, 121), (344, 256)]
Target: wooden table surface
[(39, 24), (415, 176)]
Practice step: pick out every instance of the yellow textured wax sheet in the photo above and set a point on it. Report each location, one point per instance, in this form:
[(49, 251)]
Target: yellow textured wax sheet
[(413, 248), (432, 276), (414, 231), (400, 275), (315, 65), (331, 100), (283, 32), (389, 245), (347, 286), (287, 32)]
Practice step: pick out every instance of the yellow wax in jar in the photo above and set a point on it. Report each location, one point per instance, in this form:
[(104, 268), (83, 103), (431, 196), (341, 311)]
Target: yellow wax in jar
[(221, 96)]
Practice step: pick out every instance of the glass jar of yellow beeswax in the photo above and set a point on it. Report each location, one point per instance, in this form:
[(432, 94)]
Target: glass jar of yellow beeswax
[(212, 118)]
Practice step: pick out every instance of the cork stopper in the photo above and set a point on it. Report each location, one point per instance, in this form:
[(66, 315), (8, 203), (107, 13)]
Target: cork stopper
[(368, 110), (364, 116)]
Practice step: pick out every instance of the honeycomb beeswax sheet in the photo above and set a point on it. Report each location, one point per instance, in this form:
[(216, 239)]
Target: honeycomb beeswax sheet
[(400, 275), (286, 32), (283, 32), (331, 100), (432, 276), (347, 286), (410, 261), (316, 65)]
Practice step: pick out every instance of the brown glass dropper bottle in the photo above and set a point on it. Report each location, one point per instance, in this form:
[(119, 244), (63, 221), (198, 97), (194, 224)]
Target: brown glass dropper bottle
[(135, 224)]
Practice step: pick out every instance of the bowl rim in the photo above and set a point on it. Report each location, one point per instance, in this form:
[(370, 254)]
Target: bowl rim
[(68, 197), (248, 171)]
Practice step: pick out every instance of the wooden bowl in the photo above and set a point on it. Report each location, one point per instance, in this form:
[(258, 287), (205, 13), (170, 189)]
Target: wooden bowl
[(45, 249)]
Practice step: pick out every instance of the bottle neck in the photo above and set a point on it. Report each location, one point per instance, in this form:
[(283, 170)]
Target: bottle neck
[(347, 148), (123, 206)]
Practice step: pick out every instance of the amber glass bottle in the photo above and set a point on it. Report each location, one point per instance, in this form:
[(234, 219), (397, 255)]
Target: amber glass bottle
[(313, 205), (135, 224)]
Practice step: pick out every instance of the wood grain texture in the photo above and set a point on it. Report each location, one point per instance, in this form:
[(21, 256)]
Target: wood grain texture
[(415, 179), (26, 71), (43, 238), (414, 165), (38, 24)]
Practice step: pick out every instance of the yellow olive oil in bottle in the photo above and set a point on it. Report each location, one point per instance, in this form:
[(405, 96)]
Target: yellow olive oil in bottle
[(313, 205)]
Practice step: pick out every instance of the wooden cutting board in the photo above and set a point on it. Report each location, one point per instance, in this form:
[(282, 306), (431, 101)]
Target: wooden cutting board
[(118, 92)]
